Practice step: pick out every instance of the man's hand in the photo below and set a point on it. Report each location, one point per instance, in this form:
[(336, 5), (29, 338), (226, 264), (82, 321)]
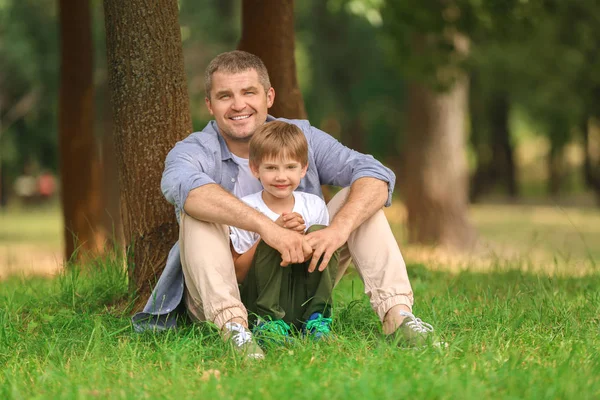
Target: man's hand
[(289, 243), (293, 221), (324, 243)]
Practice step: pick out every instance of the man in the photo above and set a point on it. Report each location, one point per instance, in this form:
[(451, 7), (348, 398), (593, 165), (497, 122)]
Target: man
[(207, 172)]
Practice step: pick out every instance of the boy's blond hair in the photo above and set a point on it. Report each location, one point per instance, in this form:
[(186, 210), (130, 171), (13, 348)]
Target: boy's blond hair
[(234, 62), (276, 140)]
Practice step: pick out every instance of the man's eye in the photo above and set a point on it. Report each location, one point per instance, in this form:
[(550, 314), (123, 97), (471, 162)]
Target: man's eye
[(224, 97), (249, 93)]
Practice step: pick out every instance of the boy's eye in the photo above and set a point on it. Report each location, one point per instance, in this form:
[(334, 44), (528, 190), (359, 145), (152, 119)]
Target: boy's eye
[(270, 168), (292, 166)]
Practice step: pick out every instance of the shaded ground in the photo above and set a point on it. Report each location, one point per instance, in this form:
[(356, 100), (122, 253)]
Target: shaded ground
[(534, 237)]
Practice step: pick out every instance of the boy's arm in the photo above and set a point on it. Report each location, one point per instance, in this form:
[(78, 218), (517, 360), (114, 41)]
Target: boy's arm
[(243, 262)]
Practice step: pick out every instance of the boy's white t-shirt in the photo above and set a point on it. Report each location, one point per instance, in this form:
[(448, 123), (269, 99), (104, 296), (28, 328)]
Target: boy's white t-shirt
[(311, 207)]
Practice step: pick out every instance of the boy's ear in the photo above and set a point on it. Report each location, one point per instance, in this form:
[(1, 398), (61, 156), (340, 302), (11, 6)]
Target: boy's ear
[(254, 170), (304, 169)]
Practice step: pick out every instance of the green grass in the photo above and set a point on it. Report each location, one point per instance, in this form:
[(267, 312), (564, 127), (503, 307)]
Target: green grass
[(510, 335)]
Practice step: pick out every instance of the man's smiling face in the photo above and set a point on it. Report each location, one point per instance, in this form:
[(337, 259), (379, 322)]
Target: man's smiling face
[(239, 104)]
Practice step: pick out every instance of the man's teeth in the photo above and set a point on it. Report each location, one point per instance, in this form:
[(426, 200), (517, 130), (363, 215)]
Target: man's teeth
[(240, 117)]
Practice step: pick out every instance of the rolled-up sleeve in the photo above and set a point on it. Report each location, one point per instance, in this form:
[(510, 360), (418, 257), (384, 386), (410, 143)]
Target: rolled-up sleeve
[(339, 165), (188, 165)]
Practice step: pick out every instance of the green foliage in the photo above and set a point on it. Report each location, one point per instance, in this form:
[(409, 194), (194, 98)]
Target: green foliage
[(29, 59), (353, 92)]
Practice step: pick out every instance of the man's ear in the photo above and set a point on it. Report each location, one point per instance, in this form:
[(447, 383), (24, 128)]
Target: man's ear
[(270, 97), (303, 172), (254, 170), (208, 105)]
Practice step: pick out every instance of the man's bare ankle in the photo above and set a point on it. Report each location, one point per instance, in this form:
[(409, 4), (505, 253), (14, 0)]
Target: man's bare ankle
[(236, 320), (393, 319)]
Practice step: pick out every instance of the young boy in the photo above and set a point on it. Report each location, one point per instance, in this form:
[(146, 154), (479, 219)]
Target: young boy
[(283, 296)]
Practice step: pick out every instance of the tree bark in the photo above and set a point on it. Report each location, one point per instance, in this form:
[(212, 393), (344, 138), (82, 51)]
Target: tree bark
[(151, 113), (79, 159), (268, 32), (112, 193), (436, 179)]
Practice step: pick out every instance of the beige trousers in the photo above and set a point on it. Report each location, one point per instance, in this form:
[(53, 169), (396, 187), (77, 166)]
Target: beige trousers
[(211, 290)]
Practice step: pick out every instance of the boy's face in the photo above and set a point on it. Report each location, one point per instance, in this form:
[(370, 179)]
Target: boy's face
[(279, 177)]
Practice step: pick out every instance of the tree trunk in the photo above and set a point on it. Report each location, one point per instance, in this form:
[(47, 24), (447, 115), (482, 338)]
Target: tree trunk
[(591, 164), (151, 113), (268, 32), (555, 167), (491, 139), (436, 184), (481, 179), (112, 215), (79, 159), (503, 163)]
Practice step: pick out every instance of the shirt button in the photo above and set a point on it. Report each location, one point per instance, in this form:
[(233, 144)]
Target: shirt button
[(232, 179)]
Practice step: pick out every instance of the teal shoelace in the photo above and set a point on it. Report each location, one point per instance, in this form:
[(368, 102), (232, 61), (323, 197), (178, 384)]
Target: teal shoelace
[(276, 327), (319, 324)]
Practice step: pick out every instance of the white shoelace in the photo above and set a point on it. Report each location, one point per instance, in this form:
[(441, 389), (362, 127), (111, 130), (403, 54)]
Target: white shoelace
[(243, 335), (416, 324)]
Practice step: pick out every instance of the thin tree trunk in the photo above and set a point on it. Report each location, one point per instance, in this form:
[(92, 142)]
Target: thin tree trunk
[(555, 167), (268, 32), (151, 113), (503, 164), (79, 160), (591, 167), (481, 179)]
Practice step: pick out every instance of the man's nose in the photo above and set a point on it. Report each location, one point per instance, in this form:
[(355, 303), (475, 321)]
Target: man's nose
[(238, 103)]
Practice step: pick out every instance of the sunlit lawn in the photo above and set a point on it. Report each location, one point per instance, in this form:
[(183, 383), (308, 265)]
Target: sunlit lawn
[(510, 334), (30, 240)]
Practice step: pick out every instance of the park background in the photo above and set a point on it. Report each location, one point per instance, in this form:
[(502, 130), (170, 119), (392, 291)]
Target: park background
[(486, 111)]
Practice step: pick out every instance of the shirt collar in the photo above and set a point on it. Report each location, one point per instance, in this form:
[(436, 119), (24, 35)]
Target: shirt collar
[(225, 153)]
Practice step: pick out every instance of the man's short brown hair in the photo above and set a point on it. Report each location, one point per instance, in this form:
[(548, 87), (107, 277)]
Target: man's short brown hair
[(234, 62), (278, 139)]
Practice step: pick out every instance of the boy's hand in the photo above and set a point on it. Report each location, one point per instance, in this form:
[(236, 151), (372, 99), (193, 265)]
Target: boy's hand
[(293, 221)]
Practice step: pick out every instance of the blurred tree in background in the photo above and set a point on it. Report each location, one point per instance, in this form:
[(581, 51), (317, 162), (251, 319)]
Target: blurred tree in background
[(80, 164), (273, 40)]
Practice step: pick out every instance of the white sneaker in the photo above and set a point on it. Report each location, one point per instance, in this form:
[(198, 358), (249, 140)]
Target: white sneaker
[(413, 331), (241, 339)]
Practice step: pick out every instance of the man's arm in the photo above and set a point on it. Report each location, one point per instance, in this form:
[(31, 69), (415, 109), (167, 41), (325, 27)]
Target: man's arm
[(214, 204), (367, 196)]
